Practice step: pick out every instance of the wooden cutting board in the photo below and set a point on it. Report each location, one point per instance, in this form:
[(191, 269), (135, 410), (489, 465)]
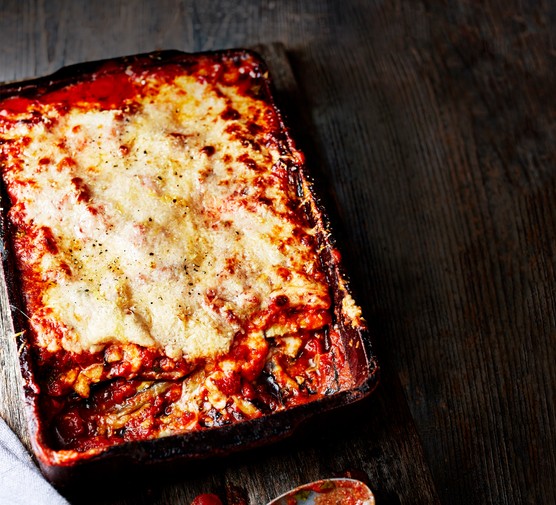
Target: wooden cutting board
[(374, 440)]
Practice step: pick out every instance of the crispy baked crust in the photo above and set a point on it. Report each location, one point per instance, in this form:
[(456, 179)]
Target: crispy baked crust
[(283, 331)]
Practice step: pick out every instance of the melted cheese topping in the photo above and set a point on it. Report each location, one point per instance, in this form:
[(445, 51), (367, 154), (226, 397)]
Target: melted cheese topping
[(160, 225)]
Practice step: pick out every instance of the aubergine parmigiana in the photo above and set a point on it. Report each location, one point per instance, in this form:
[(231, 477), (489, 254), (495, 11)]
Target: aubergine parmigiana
[(168, 251)]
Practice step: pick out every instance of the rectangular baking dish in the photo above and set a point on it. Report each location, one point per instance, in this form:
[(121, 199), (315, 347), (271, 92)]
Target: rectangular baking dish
[(349, 379)]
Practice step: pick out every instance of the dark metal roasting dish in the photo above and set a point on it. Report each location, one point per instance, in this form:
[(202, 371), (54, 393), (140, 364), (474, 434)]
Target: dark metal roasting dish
[(358, 374)]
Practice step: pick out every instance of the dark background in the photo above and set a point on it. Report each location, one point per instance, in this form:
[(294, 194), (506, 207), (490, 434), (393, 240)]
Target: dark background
[(433, 126)]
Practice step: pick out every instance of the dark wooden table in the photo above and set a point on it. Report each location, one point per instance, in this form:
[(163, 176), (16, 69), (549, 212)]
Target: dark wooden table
[(433, 126)]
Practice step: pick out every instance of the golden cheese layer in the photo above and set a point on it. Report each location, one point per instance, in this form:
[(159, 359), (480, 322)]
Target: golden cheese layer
[(167, 221)]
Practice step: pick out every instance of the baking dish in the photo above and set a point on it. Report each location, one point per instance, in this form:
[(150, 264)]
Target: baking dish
[(93, 413)]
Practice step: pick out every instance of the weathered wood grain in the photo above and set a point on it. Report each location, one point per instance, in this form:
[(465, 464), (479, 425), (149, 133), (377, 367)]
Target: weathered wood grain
[(433, 124)]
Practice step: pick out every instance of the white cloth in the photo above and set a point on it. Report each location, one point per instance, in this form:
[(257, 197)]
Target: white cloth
[(21, 482)]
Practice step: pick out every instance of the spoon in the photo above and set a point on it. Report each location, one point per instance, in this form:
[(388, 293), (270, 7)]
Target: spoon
[(320, 492), (328, 492)]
